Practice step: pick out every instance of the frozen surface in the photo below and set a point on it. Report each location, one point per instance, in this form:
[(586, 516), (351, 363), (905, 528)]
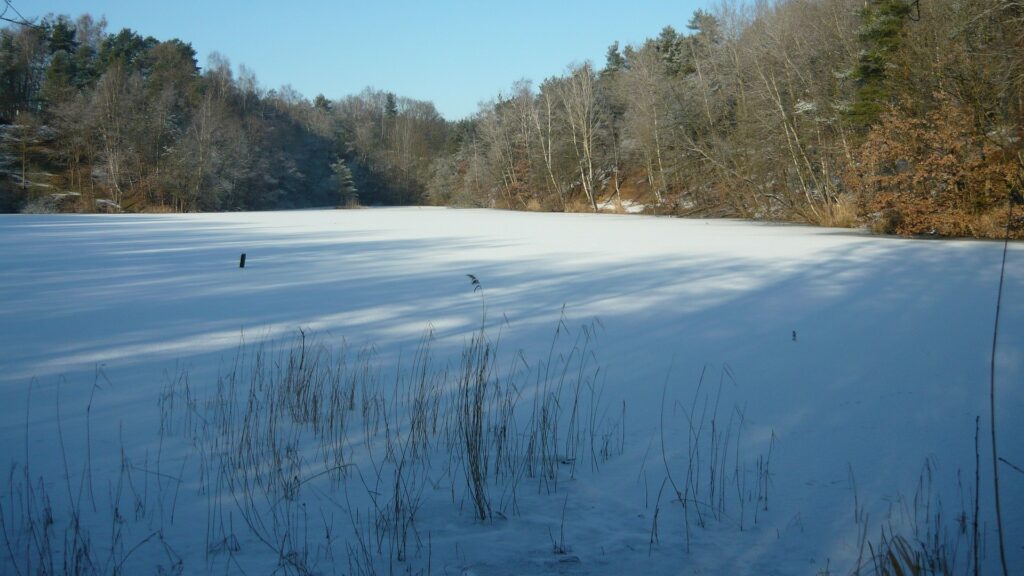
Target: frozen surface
[(853, 360)]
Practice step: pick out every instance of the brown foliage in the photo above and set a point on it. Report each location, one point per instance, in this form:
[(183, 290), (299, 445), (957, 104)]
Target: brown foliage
[(936, 174)]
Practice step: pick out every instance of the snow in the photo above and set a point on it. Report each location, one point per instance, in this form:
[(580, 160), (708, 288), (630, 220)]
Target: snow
[(802, 106), (856, 362), (627, 206)]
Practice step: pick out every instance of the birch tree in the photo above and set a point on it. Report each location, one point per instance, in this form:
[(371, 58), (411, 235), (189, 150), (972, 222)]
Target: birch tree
[(577, 94)]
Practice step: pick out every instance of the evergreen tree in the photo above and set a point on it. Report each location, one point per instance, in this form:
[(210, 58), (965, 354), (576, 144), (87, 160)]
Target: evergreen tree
[(390, 105), (22, 67), (614, 61), (670, 46), (880, 35), (347, 192), (58, 83), (128, 48), (705, 27), (62, 36)]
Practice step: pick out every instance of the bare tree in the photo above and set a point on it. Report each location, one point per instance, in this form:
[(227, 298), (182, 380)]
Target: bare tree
[(577, 93), (645, 85)]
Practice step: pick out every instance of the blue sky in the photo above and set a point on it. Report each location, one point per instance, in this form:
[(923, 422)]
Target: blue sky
[(454, 53)]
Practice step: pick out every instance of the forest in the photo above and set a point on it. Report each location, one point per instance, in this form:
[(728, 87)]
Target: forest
[(904, 117)]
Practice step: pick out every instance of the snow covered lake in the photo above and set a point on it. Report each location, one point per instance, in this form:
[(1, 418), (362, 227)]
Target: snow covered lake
[(721, 397)]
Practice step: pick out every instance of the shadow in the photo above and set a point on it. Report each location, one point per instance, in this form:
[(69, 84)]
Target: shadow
[(858, 352)]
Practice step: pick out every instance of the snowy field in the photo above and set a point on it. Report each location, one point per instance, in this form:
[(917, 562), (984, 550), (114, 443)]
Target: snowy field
[(664, 395)]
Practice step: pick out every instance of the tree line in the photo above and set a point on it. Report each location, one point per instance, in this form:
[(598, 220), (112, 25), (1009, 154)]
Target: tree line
[(904, 116), (91, 120)]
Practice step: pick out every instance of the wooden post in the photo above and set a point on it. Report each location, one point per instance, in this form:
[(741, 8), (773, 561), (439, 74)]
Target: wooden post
[(241, 261)]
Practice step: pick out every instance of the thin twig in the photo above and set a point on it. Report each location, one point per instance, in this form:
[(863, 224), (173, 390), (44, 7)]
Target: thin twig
[(992, 392)]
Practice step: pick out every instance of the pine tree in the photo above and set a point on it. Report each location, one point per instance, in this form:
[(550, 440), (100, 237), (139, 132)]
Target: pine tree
[(58, 81), (390, 105), (614, 61), (348, 194), (670, 46), (705, 26), (62, 36), (881, 35)]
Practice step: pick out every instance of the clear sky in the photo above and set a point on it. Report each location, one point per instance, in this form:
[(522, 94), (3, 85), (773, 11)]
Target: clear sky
[(454, 53)]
